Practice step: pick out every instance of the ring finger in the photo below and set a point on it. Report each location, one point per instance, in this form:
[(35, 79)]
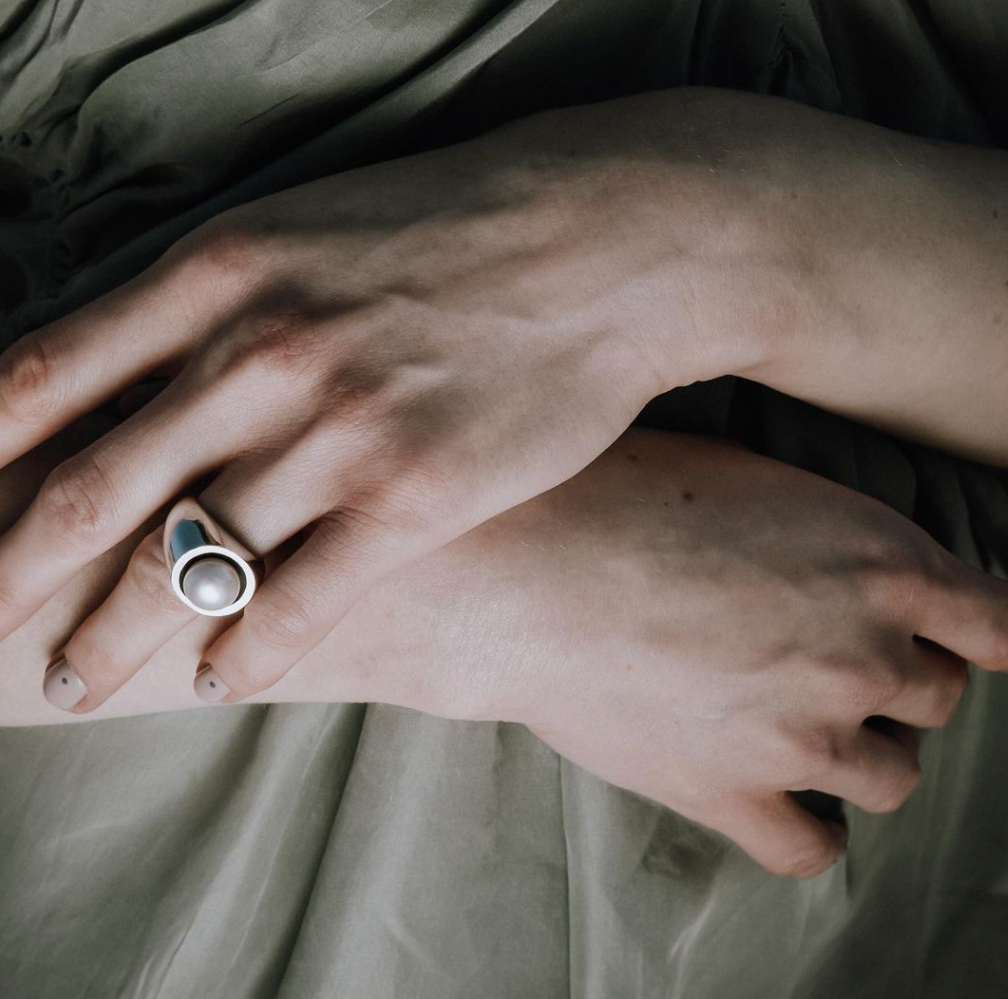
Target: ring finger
[(143, 613), (99, 496), (109, 647)]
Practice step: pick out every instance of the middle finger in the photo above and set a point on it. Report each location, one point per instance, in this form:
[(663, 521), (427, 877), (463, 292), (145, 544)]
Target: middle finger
[(138, 617), (98, 497)]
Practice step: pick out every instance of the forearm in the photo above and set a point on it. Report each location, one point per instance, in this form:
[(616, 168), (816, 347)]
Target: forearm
[(856, 267), (891, 304)]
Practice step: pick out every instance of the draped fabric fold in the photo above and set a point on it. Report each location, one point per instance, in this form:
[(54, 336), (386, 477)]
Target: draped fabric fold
[(369, 852)]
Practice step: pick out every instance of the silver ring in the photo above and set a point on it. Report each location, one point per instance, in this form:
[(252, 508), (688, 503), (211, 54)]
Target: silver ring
[(211, 572)]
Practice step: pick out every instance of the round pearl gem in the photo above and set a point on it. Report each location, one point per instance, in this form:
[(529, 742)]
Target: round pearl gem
[(212, 583)]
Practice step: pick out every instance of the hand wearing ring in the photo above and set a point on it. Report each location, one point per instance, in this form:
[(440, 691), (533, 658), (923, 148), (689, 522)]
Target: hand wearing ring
[(399, 353), (389, 357)]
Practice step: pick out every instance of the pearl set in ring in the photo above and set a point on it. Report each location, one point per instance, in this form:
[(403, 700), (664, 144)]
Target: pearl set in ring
[(207, 576)]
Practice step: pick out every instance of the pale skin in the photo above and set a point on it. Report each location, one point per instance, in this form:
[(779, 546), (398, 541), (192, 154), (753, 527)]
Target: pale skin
[(409, 350), (595, 614)]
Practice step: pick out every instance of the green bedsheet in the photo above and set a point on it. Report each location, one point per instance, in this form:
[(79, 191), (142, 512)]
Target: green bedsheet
[(363, 852)]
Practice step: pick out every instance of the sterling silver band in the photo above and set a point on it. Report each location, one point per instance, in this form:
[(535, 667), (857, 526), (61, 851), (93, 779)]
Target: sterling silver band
[(211, 572)]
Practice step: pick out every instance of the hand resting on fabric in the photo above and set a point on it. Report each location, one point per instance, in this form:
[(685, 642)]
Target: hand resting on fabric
[(400, 352), (702, 625)]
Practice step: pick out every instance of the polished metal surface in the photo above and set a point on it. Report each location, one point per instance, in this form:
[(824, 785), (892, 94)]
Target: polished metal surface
[(206, 575)]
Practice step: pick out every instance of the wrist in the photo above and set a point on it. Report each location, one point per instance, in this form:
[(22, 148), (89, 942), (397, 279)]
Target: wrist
[(714, 189), (694, 275), (753, 280)]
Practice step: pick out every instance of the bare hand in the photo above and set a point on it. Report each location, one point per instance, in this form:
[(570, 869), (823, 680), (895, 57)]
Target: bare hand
[(704, 626), (393, 356)]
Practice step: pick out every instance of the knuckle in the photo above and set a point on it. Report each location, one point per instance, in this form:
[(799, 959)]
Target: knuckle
[(226, 251), (377, 524), (416, 499), (424, 485), (358, 396), (814, 754), (892, 581), (346, 520), (272, 344), (27, 388), (278, 341), (282, 622), (866, 687), (77, 499)]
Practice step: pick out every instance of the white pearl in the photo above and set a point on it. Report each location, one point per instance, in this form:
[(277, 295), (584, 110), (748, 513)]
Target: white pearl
[(211, 583)]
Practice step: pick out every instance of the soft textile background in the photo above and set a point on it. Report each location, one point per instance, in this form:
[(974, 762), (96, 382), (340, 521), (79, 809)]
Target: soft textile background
[(372, 852)]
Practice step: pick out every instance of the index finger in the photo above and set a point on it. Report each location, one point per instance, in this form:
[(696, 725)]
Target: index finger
[(57, 373)]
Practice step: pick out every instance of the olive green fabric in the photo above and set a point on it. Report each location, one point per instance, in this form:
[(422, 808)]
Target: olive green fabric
[(365, 852)]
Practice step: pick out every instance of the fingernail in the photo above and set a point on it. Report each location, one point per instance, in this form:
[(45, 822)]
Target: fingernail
[(62, 687), (209, 686)]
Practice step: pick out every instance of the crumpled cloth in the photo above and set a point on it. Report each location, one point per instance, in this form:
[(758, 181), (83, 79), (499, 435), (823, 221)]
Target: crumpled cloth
[(365, 852)]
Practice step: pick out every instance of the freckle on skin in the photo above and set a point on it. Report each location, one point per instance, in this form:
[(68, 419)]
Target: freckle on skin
[(687, 496), (632, 457), (997, 317), (994, 213)]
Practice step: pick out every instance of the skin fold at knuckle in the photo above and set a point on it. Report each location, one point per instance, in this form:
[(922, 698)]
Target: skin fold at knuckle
[(812, 756), (892, 579), (264, 353), (223, 258), (77, 501), (385, 516), (284, 623), (27, 386), (863, 686), (282, 341)]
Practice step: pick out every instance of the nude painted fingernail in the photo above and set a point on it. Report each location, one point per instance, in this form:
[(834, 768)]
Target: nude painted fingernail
[(62, 687), (209, 686)]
